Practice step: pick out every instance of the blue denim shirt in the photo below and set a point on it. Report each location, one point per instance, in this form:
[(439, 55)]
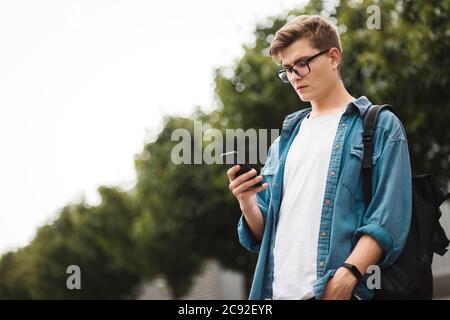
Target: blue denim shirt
[(344, 215)]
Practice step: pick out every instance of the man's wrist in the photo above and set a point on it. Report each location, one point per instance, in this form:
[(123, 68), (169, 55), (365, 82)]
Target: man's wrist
[(347, 277), (353, 270), (249, 208)]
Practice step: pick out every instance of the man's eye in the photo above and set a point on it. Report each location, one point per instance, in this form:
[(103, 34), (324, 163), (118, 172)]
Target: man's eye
[(302, 63)]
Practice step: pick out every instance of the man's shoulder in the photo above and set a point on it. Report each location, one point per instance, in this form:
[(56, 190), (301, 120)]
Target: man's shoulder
[(389, 122)]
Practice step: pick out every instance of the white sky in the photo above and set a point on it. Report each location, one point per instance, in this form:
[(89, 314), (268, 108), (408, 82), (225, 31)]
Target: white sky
[(84, 83)]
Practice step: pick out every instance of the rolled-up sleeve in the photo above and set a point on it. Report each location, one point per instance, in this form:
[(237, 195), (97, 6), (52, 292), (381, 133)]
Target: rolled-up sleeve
[(388, 215), (246, 238)]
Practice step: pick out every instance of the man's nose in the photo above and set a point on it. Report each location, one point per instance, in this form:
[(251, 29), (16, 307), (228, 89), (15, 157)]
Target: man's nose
[(296, 81), (293, 76)]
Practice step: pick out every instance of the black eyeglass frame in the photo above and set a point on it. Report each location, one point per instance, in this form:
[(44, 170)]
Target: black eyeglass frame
[(303, 62)]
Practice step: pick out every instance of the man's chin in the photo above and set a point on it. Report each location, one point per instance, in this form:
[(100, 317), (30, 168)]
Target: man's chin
[(304, 98)]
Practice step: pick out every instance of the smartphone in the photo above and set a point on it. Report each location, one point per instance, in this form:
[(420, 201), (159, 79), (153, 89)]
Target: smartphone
[(231, 159)]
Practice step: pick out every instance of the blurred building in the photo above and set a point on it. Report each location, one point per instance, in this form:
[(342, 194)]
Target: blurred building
[(441, 265), (214, 283)]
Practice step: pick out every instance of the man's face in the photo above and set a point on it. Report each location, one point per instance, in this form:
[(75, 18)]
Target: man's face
[(322, 77)]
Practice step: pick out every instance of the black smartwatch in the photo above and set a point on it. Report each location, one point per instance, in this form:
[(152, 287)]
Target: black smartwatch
[(353, 269)]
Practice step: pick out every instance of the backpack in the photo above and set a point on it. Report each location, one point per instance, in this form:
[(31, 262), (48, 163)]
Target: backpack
[(410, 276)]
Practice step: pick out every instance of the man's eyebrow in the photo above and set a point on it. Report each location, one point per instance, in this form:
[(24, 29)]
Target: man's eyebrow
[(298, 59)]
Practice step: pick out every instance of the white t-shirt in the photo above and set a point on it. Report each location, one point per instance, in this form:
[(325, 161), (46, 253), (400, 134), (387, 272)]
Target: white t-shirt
[(305, 175)]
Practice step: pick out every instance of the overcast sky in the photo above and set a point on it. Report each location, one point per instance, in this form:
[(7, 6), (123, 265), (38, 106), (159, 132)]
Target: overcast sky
[(83, 84)]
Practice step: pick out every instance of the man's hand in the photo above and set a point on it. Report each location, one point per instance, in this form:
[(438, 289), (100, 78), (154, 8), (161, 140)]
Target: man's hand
[(340, 286), (240, 187), (366, 253)]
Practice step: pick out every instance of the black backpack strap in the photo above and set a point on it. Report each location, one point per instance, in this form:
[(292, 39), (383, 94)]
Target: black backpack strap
[(370, 120)]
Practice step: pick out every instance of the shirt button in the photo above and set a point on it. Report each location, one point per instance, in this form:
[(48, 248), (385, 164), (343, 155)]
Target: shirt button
[(328, 201), (343, 124), (337, 146), (321, 264), (333, 173), (323, 234)]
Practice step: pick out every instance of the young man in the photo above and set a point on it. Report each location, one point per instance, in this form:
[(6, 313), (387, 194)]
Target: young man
[(308, 221)]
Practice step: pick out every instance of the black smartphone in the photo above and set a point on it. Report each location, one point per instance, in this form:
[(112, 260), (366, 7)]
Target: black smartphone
[(231, 159)]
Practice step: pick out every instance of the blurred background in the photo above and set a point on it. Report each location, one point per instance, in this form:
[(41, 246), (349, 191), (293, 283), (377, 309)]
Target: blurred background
[(91, 91)]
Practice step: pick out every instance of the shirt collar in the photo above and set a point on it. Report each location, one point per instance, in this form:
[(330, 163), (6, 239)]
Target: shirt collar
[(361, 104)]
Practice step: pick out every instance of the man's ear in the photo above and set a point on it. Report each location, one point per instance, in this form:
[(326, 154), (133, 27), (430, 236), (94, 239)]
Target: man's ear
[(335, 56)]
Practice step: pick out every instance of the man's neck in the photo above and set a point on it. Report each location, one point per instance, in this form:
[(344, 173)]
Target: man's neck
[(335, 101)]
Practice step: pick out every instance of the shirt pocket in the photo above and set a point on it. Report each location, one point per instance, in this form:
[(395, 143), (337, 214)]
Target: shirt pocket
[(351, 174), (268, 173)]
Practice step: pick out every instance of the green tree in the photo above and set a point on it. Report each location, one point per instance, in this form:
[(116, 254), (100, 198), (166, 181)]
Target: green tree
[(187, 212), (98, 239)]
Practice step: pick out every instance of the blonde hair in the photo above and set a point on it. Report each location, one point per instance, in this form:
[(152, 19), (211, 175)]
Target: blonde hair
[(321, 33)]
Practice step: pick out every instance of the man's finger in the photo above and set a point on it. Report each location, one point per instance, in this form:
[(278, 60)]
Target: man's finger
[(244, 177), (232, 172), (247, 184), (256, 190)]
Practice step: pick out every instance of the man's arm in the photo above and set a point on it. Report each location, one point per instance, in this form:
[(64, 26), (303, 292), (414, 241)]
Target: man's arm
[(366, 253), (251, 224), (387, 218), (254, 219)]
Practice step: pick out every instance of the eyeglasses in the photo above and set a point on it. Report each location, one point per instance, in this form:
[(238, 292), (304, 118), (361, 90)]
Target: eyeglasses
[(301, 68)]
